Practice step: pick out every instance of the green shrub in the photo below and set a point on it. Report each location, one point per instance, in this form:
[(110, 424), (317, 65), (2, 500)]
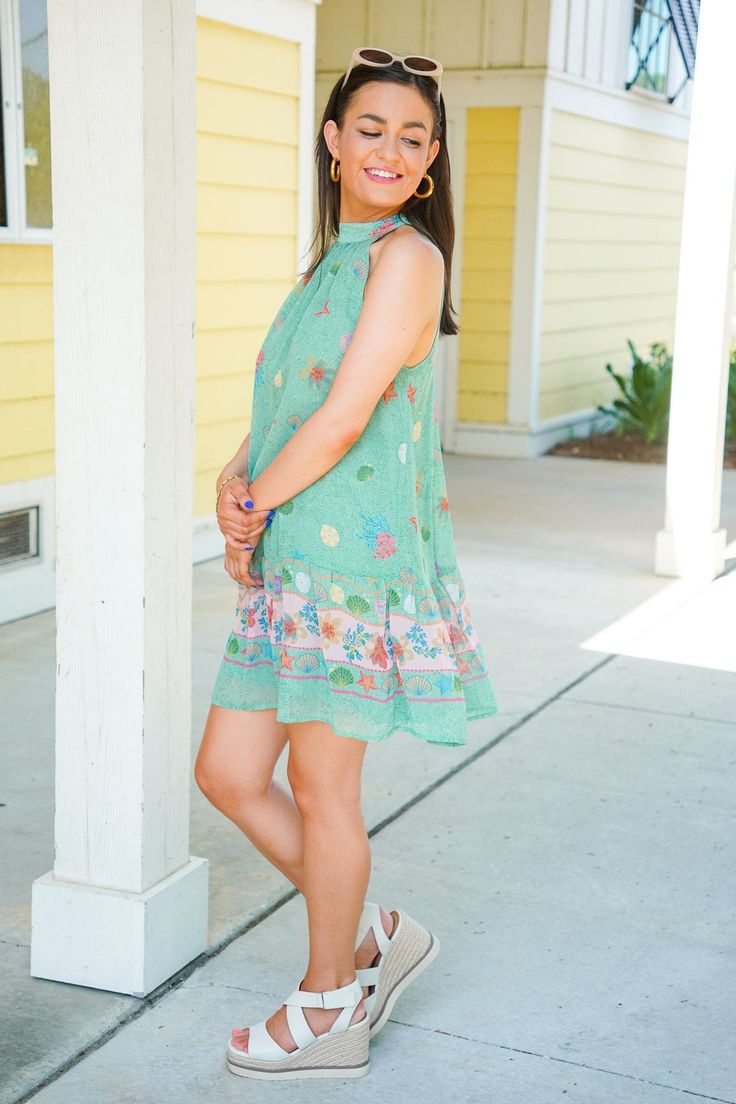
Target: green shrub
[(645, 405)]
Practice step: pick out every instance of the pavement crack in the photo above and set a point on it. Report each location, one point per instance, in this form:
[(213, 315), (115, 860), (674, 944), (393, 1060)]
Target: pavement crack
[(564, 1061)]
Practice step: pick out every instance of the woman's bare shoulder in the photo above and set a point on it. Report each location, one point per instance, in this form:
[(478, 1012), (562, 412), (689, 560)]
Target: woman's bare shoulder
[(406, 249)]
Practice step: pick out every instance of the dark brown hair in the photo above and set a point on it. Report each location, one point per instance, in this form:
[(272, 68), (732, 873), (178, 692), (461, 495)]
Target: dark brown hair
[(433, 217)]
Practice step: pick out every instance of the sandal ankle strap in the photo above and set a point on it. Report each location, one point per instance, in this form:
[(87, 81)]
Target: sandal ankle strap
[(347, 996)]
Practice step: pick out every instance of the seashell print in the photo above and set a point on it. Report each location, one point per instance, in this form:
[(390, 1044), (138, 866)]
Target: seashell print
[(453, 590), (253, 650), (357, 604), (341, 676), (402, 452), (418, 684), (394, 598), (302, 582), (416, 432), (427, 605), (359, 268), (278, 379), (388, 684), (233, 647), (278, 321), (266, 431), (409, 604), (319, 591), (365, 472), (306, 662), (345, 341), (329, 535), (286, 507), (293, 421), (337, 594), (408, 576), (286, 576), (425, 533), (335, 268), (457, 684)]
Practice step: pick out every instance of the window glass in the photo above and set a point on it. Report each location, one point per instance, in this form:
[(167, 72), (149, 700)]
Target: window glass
[(649, 49), (3, 186), (37, 146)]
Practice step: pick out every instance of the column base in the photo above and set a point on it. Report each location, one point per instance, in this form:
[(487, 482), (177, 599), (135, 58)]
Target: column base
[(123, 942), (690, 557)]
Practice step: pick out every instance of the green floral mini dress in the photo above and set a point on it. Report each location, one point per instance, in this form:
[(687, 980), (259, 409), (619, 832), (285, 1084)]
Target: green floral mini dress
[(359, 617)]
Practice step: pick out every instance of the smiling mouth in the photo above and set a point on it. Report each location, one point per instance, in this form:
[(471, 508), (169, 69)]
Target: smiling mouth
[(382, 174)]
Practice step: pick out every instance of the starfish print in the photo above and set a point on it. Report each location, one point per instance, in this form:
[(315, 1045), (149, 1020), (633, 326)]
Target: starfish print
[(411, 392), (286, 660), (390, 392), (367, 681), (325, 309)]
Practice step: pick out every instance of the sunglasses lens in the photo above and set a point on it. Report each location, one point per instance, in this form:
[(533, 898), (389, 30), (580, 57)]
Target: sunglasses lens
[(381, 56), (422, 64)]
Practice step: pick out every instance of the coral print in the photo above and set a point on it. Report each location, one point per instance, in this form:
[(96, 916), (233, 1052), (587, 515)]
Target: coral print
[(357, 613), (377, 533), (258, 379)]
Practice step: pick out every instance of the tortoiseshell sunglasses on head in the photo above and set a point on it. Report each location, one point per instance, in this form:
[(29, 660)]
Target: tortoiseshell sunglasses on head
[(413, 63)]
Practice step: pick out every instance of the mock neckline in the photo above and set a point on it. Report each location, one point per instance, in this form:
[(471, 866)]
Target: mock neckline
[(372, 230)]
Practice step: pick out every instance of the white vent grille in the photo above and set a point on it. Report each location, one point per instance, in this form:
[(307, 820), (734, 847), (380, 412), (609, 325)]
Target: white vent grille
[(19, 535)]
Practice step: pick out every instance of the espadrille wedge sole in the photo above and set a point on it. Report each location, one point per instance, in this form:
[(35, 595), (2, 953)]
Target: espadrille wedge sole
[(340, 1052), (404, 956)]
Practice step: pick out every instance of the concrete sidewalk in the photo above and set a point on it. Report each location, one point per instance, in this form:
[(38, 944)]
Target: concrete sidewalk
[(576, 858)]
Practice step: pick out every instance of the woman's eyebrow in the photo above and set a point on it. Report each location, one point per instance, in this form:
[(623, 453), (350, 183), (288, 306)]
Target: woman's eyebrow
[(380, 119)]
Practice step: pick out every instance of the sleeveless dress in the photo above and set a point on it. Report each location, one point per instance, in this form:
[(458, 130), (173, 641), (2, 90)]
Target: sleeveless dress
[(359, 617)]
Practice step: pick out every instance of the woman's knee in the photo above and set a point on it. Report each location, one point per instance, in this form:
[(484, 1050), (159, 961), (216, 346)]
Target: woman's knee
[(319, 794), (223, 785)]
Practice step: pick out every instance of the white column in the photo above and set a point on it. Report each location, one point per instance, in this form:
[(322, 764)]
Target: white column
[(125, 905), (692, 545)]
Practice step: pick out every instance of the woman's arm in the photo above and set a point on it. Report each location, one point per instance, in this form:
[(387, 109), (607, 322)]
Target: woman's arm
[(400, 300)]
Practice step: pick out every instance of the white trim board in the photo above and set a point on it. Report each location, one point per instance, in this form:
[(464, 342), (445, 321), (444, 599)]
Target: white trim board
[(521, 442)]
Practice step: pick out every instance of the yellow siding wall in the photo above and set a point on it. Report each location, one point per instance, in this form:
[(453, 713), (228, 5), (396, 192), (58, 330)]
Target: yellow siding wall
[(26, 362), (247, 144), (614, 208), (488, 242)]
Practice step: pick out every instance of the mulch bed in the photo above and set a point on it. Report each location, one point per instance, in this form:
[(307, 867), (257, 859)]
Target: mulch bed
[(626, 446)]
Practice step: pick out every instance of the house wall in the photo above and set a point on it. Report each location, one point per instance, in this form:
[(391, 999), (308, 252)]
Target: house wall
[(611, 253), (487, 255), (26, 362)]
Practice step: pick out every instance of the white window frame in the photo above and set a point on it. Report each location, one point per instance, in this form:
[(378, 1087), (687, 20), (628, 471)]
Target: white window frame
[(12, 108)]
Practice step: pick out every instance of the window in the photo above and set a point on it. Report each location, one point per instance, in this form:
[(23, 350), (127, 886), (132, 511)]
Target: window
[(654, 62), (649, 49), (25, 146)]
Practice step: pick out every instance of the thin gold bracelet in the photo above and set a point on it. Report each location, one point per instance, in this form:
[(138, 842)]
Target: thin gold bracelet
[(217, 500)]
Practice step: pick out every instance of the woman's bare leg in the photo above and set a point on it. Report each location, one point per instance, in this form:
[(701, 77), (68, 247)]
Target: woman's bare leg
[(325, 775), (234, 770)]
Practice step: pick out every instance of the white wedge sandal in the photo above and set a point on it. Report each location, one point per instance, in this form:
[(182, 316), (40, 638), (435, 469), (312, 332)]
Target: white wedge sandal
[(340, 1052), (404, 955)]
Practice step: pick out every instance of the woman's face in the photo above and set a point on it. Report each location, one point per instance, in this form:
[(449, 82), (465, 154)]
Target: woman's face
[(388, 127)]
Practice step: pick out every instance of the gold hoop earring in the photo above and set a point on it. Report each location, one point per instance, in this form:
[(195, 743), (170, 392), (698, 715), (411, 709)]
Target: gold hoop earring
[(334, 177), (427, 194)]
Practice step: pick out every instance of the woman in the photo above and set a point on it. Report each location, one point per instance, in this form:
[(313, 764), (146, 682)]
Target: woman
[(352, 621)]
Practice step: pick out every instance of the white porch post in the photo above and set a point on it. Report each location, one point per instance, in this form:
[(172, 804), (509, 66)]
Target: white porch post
[(125, 905), (691, 544)]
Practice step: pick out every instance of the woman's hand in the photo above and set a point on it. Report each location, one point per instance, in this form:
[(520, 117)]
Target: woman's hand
[(237, 565), (239, 524)]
